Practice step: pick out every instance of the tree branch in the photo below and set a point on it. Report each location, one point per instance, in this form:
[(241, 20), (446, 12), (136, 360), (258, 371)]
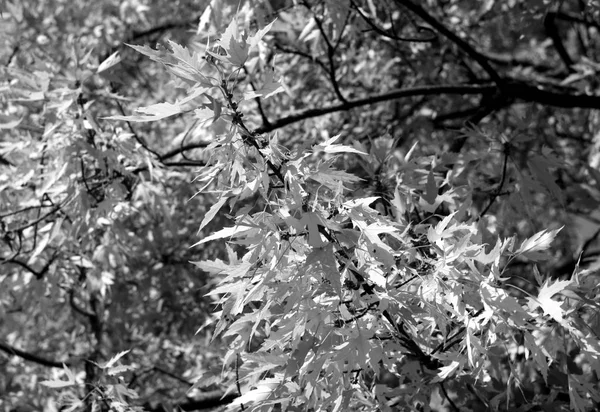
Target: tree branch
[(207, 400), (390, 36), (181, 149), (462, 44), (573, 18), (552, 32), (163, 27), (172, 375), (331, 71), (510, 59), (11, 350), (395, 94), (512, 90)]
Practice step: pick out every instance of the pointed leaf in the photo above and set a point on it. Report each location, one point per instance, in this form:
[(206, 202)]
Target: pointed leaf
[(533, 247), (214, 209)]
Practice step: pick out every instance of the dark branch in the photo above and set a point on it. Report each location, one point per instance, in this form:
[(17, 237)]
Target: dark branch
[(395, 94), (182, 149), (38, 274), (172, 375), (11, 350), (77, 308), (574, 18), (164, 27), (207, 400), (552, 32), (509, 59), (462, 44), (393, 36), (511, 90), (450, 401)]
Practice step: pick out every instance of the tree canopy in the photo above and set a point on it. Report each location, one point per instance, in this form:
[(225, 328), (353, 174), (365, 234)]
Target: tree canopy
[(299, 205)]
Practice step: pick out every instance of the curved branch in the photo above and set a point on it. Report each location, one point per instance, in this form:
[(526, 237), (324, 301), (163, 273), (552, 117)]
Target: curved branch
[(395, 94), (462, 44), (512, 90), (518, 89), (11, 350), (552, 32), (573, 18), (181, 149), (510, 59), (24, 265), (385, 34), (164, 27), (206, 400)]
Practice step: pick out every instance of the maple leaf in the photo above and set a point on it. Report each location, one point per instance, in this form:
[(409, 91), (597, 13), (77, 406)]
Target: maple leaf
[(312, 221), (270, 87), (446, 371), (114, 360), (151, 113), (110, 62), (533, 247), (544, 299), (225, 232), (263, 390), (160, 56), (59, 383), (214, 209), (328, 147), (234, 43), (322, 265), (254, 40), (213, 267), (440, 232)]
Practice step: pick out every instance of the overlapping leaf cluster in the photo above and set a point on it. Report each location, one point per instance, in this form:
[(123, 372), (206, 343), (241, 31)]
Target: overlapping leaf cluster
[(326, 288)]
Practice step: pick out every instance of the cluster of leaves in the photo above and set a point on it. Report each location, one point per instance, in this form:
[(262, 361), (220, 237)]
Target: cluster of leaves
[(370, 263), (332, 288), (93, 239)]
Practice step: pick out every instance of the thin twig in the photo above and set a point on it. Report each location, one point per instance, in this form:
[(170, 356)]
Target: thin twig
[(462, 44), (450, 401)]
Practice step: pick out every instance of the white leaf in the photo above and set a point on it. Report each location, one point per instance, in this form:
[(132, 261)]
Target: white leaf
[(111, 61), (225, 232), (254, 40), (213, 267), (261, 393), (269, 88), (214, 209), (151, 113), (537, 243), (329, 147), (57, 384), (61, 384), (114, 359), (545, 301), (117, 370)]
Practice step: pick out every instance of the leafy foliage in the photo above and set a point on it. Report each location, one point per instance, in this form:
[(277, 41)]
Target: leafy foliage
[(359, 254)]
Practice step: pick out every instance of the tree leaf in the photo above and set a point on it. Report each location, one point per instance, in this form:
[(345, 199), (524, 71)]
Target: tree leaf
[(545, 301), (533, 247), (234, 44), (225, 232), (254, 40), (115, 359), (151, 113), (270, 87), (110, 62), (214, 209)]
